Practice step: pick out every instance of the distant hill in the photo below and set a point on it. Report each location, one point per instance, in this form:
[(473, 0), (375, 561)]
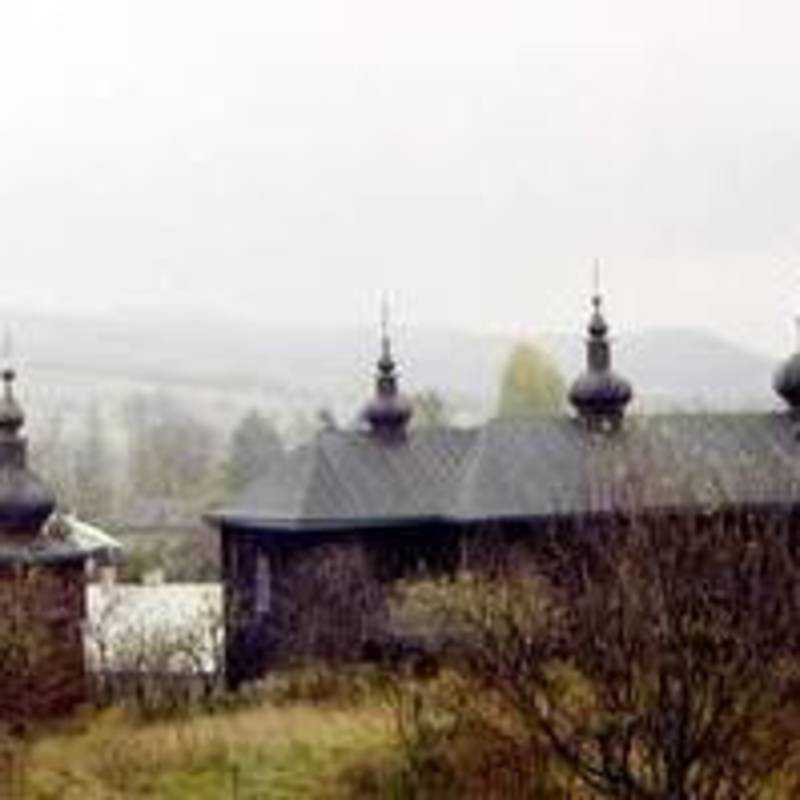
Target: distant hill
[(691, 368), (228, 365)]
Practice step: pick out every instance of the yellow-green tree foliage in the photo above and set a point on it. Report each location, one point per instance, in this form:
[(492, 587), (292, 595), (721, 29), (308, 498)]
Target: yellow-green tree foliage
[(531, 384)]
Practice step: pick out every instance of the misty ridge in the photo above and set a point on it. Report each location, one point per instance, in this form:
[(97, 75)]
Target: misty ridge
[(221, 367)]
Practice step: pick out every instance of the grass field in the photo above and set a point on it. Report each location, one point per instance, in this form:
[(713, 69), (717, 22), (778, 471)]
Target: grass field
[(318, 733), (297, 751)]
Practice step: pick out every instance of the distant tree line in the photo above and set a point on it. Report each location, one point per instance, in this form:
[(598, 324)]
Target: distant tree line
[(107, 463)]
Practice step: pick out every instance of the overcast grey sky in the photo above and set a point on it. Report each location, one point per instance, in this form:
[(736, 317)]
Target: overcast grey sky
[(288, 160)]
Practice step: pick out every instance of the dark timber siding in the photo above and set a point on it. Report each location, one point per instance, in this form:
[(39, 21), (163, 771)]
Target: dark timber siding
[(41, 641)]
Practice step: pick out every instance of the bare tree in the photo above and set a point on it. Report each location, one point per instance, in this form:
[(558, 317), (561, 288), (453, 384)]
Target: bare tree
[(94, 486), (171, 452), (655, 655)]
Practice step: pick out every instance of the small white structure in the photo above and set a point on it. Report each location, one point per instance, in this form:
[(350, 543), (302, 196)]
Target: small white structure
[(165, 628)]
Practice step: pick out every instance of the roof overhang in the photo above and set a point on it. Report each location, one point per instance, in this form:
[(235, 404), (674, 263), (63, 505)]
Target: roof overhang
[(248, 522)]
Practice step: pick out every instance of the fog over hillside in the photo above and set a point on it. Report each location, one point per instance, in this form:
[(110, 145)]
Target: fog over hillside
[(222, 366)]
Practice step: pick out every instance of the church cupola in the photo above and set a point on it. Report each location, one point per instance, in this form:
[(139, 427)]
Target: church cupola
[(786, 381), (389, 412), (25, 501), (599, 395)]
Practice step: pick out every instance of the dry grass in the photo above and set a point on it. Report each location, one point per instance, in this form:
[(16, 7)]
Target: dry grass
[(319, 735), (286, 752)]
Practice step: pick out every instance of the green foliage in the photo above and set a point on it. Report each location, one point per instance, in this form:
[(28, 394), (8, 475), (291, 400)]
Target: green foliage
[(531, 384), (255, 448), (140, 559), (319, 683), (430, 410), (183, 557)]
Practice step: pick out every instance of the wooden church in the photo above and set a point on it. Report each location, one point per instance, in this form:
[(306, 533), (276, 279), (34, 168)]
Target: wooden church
[(308, 547)]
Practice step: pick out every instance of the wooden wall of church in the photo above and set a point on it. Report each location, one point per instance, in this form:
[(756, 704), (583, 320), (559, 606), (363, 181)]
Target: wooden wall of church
[(42, 668)]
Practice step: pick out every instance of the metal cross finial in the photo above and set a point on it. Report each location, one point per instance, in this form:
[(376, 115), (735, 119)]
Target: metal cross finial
[(385, 340), (384, 316), (596, 299), (8, 373)]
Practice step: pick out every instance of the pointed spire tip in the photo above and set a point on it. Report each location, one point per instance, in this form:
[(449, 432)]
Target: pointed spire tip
[(597, 297), (386, 341)]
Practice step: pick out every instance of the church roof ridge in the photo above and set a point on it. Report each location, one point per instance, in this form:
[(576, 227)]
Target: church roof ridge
[(537, 467)]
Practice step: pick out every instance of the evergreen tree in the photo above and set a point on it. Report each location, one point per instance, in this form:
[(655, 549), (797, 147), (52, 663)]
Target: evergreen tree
[(254, 449)]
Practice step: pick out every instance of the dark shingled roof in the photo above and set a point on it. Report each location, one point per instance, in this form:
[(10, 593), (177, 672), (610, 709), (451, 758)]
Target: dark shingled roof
[(533, 469), (353, 479)]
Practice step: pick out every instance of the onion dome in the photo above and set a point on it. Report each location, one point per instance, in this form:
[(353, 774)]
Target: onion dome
[(25, 501), (599, 394), (786, 381), (389, 412)]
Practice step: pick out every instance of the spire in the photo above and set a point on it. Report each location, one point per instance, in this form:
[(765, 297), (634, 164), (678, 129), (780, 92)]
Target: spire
[(25, 501), (385, 343), (388, 413), (786, 380), (386, 377), (598, 349), (598, 328), (599, 395), (12, 417)]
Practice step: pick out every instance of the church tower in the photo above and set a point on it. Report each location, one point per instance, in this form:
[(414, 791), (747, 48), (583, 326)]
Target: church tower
[(599, 395)]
